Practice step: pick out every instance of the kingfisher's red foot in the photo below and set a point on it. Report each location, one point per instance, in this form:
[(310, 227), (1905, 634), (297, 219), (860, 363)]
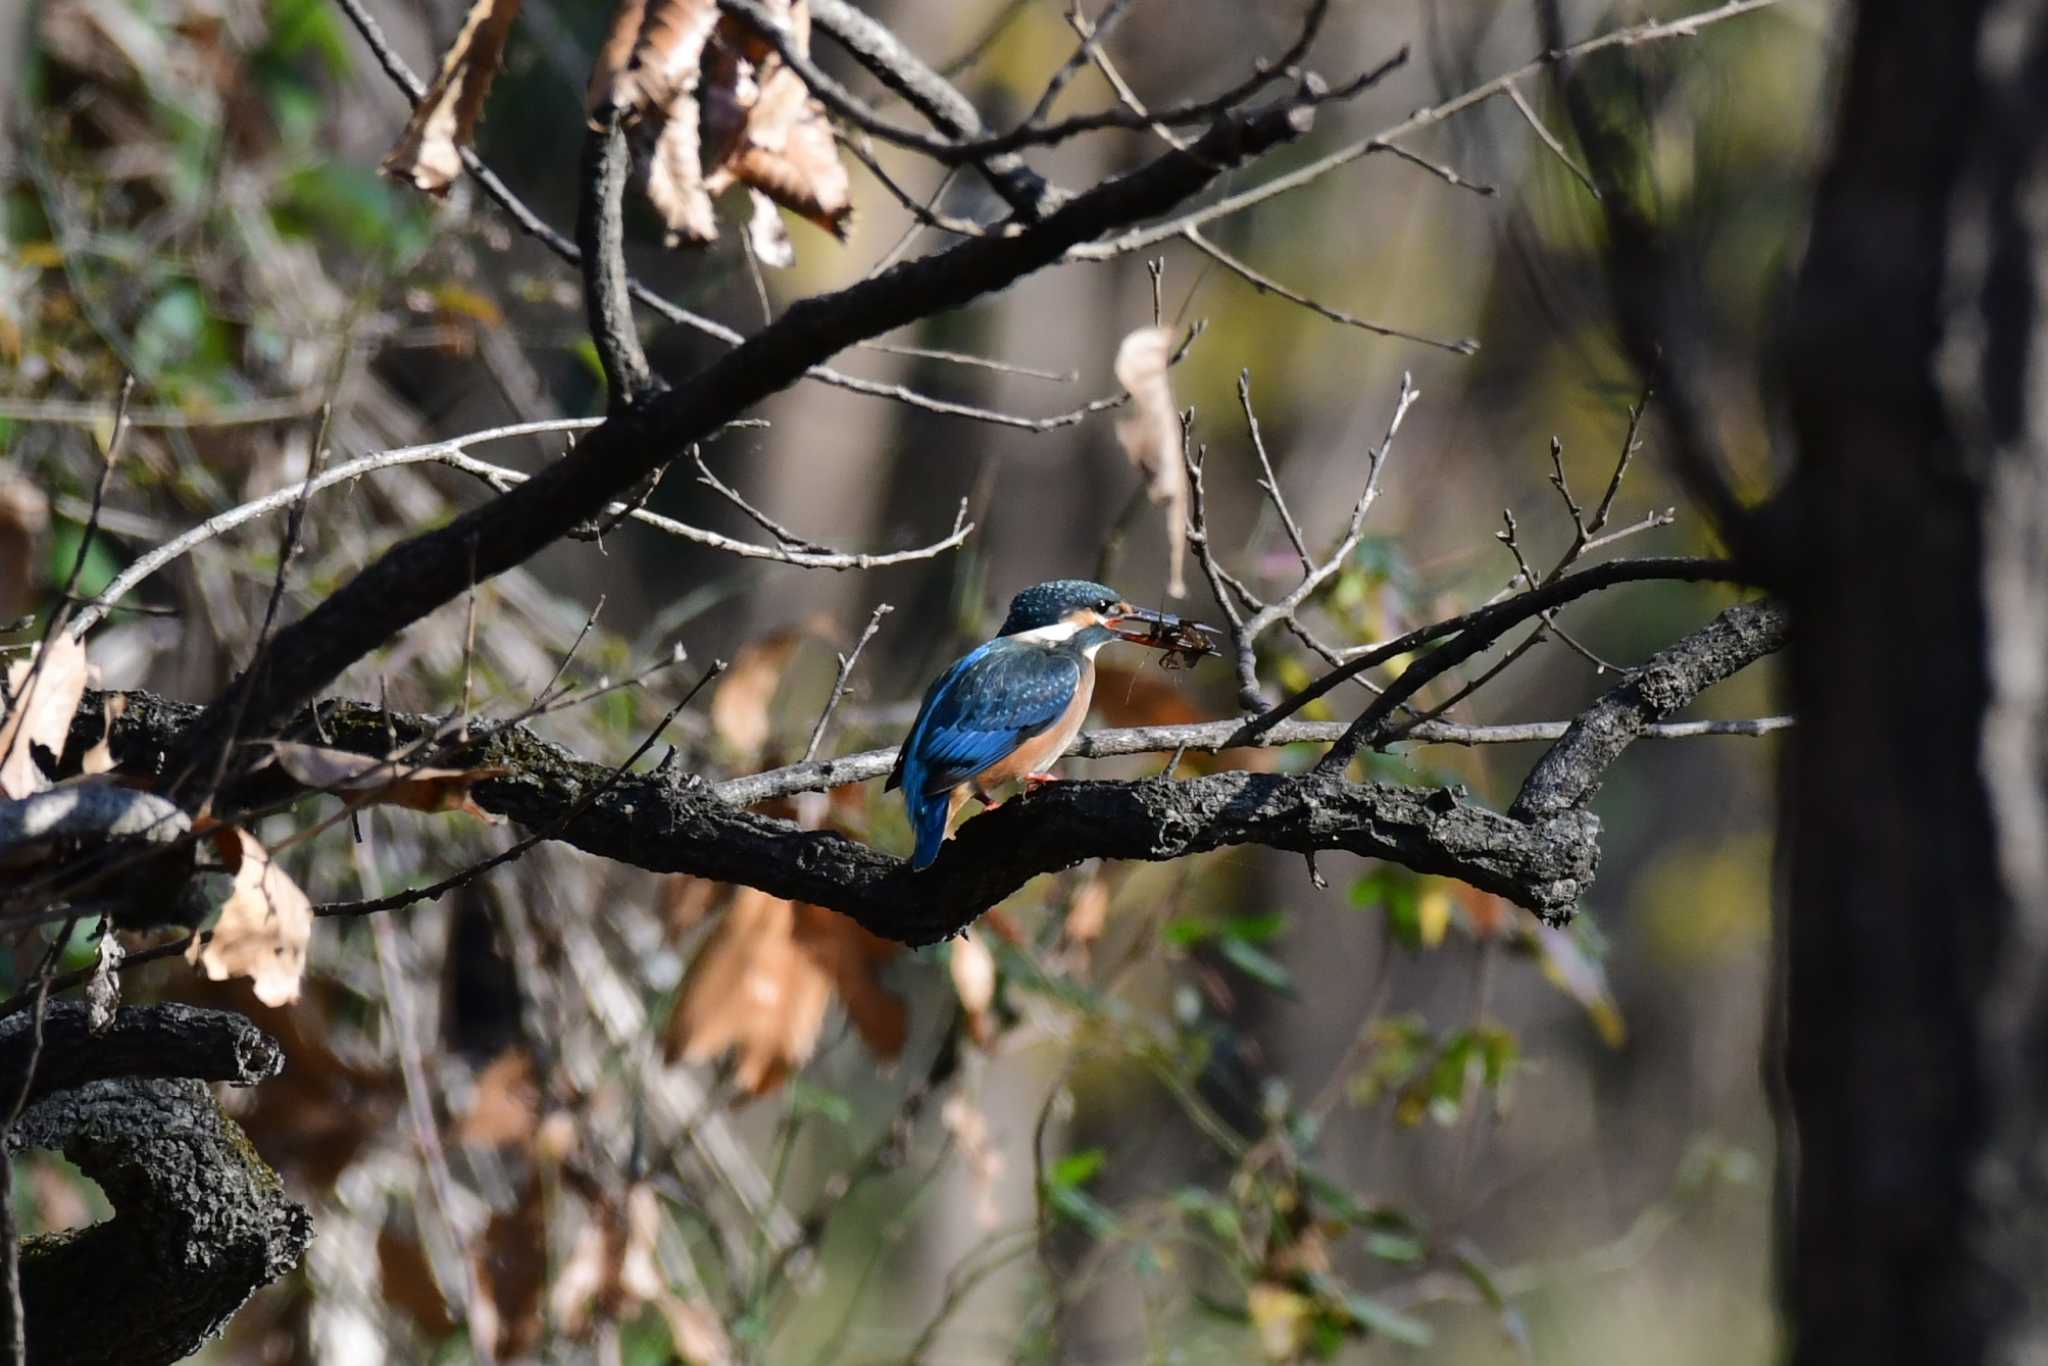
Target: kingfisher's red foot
[(1034, 781), (988, 803)]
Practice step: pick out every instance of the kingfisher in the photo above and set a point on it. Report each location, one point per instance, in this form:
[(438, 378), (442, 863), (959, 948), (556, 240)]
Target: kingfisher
[(1005, 712)]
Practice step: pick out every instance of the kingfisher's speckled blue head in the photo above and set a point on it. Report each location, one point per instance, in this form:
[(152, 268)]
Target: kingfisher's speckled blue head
[(1075, 602)]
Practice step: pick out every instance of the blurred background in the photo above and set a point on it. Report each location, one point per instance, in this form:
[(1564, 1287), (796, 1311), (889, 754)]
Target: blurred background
[(1206, 1111)]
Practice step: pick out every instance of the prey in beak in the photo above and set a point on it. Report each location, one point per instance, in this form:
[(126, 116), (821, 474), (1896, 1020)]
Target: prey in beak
[(1180, 643)]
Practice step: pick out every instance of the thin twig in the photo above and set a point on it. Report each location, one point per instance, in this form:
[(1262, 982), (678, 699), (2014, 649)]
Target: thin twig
[(1549, 139), (453, 454), (398, 900), (1137, 239), (846, 663), (1214, 737), (1266, 284)]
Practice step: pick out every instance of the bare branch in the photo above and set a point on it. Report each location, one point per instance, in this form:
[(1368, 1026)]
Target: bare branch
[(1569, 774), (453, 454), (846, 663), (1549, 139), (1138, 239), (1266, 284)]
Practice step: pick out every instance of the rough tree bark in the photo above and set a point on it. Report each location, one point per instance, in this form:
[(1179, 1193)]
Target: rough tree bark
[(1915, 1185), (199, 1221)]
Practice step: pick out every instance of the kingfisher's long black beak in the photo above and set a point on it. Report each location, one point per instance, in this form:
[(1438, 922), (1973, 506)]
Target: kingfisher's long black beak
[(1164, 631)]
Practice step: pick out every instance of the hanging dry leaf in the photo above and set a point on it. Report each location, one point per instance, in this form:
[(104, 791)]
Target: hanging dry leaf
[(610, 87), (718, 107), (24, 517), (766, 236), (973, 969), (43, 693), (511, 1263), (761, 984), (665, 54), (429, 152), (389, 782), (1151, 437), (675, 182), (968, 1125), (100, 758), (264, 924), (787, 153)]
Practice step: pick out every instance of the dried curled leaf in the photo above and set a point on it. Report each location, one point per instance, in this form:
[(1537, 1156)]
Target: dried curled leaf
[(428, 155), (43, 693), (387, 781), (1151, 437), (264, 925), (762, 982), (609, 86), (720, 108), (787, 153)]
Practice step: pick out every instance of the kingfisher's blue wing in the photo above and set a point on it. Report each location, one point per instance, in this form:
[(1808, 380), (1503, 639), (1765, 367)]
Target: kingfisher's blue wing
[(981, 709)]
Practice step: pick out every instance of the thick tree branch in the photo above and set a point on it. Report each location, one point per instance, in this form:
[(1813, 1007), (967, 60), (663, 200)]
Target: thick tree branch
[(200, 1223), (1569, 774), (657, 822)]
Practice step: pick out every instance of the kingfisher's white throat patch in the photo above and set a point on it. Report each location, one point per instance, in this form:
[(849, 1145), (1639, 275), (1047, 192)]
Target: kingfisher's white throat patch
[(1056, 634)]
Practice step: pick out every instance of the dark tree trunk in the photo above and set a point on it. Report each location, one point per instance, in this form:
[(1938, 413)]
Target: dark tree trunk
[(1915, 1180)]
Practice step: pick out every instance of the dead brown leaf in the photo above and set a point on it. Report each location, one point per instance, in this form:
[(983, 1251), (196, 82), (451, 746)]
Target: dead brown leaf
[(429, 152), (762, 982), (43, 693), (511, 1261), (1151, 437), (609, 88), (386, 781), (264, 925), (724, 109), (788, 154)]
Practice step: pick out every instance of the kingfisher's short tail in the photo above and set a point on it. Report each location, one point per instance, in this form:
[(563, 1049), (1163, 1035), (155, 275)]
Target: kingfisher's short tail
[(928, 817)]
